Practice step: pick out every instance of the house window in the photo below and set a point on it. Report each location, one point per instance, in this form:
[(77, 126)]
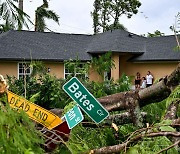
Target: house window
[(77, 70), (24, 69), (107, 76)]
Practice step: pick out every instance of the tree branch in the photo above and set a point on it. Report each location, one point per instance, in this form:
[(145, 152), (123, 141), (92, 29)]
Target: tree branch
[(176, 121), (155, 93), (119, 147), (118, 119), (172, 110), (122, 118), (169, 147)]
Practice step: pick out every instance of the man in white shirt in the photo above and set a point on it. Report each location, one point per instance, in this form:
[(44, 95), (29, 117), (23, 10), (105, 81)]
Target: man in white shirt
[(149, 79)]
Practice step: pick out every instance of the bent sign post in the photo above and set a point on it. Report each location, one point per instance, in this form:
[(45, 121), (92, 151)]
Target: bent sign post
[(86, 100), (35, 112)]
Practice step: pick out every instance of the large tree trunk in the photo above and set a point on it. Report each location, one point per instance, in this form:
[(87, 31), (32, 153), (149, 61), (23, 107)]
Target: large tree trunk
[(132, 100), (155, 93)]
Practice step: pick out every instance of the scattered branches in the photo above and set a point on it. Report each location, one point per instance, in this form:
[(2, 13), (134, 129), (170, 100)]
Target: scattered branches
[(119, 147), (169, 147)]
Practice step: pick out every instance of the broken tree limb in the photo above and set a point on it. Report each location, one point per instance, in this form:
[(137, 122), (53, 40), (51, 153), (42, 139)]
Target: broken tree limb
[(157, 92), (176, 121), (171, 113), (174, 78), (136, 114), (122, 118), (119, 101), (118, 119), (119, 147), (169, 147)]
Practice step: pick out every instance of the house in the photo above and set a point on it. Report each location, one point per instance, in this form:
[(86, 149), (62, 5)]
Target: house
[(131, 53)]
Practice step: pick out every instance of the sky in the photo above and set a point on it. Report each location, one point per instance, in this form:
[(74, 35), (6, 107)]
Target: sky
[(75, 16)]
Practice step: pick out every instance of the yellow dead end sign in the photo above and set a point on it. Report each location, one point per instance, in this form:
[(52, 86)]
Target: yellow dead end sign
[(35, 112)]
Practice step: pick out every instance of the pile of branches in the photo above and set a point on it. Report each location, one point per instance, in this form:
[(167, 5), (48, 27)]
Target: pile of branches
[(132, 102)]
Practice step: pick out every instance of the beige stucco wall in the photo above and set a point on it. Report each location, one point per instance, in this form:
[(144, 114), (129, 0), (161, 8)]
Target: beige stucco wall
[(9, 68), (56, 69), (94, 76), (115, 71), (158, 69)]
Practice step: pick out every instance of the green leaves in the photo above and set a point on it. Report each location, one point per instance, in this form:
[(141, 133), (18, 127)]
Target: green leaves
[(76, 68), (133, 150), (107, 13), (17, 132), (41, 14), (153, 145), (167, 128), (103, 63), (12, 16)]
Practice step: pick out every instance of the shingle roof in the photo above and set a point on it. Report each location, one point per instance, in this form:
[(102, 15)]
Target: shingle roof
[(27, 45), (159, 49), (117, 41)]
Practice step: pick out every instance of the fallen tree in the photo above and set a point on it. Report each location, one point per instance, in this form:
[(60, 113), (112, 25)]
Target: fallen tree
[(132, 101), (155, 93)]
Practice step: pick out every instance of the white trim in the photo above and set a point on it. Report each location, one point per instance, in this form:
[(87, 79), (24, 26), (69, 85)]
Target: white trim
[(85, 75), (23, 73)]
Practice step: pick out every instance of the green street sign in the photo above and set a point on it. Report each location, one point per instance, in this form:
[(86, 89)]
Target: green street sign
[(86, 100), (74, 117)]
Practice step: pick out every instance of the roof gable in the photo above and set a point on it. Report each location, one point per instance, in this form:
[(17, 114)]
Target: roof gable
[(117, 41)]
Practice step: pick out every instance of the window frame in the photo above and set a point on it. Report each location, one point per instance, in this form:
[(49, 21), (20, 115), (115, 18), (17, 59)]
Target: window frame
[(22, 73), (74, 73)]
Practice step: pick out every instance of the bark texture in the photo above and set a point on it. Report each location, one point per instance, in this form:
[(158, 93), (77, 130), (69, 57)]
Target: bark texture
[(122, 118), (171, 113)]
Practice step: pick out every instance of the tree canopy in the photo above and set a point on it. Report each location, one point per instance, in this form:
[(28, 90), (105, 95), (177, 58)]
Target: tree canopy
[(41, 13), (106, 13), (12, 17)]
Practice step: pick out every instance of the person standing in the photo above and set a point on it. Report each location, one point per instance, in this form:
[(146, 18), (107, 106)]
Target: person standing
[(143, 83), (137, 80), (149, 79)]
